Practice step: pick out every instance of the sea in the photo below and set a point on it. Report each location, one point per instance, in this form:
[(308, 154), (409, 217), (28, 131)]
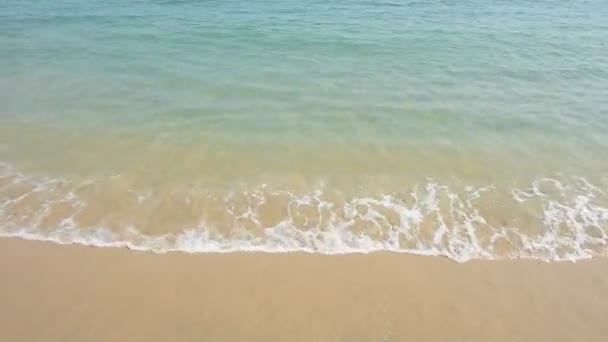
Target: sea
[(467, 129)]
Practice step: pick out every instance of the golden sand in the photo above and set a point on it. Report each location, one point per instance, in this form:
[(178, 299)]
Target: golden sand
[(72, 293)]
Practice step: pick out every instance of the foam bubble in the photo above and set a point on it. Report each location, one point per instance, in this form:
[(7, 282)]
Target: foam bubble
[(551, 219)]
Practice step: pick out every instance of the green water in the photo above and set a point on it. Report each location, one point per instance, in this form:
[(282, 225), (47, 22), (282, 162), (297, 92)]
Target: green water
[(355, 99)]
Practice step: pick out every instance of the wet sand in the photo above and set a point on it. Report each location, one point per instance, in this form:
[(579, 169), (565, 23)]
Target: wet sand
[(71, 293)]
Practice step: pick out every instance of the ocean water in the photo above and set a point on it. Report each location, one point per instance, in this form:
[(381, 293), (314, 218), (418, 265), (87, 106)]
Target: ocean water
[(465, 129)]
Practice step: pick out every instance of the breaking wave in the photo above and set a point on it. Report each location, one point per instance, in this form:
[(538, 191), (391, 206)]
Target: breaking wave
[(550, 219)]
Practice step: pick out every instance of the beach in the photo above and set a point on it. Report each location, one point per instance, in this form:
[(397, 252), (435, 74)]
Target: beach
[(303, 170), (74, 293)]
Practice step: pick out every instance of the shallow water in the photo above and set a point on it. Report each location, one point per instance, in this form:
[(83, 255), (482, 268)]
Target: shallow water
[(468, 130)]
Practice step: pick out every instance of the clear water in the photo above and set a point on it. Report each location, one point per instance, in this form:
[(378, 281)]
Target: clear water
[(477, 129)]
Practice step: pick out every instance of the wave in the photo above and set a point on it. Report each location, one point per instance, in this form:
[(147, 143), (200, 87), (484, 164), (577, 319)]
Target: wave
[(550, 219)]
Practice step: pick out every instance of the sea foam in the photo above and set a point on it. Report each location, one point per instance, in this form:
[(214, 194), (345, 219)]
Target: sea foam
[(550, 219)]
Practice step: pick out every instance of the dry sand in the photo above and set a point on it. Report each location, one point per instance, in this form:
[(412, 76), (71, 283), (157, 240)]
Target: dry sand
[(72, 293)]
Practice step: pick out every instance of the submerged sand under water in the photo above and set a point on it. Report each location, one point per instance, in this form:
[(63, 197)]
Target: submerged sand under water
[(71, 293)]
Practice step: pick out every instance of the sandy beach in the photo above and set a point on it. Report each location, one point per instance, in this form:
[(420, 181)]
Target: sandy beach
[(325, 171), (50, 292)]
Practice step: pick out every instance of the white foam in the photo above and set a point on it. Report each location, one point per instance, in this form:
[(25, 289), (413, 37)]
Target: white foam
[(573, 222)]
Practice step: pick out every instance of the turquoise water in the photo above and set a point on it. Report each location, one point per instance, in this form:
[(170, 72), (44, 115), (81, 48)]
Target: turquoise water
[(361, 99), (313, 69)]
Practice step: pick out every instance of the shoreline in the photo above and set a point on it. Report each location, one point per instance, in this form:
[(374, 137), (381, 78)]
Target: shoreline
[(71, 292)]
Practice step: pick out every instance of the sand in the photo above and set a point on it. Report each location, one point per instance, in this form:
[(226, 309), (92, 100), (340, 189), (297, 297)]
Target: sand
[(50, 292)]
